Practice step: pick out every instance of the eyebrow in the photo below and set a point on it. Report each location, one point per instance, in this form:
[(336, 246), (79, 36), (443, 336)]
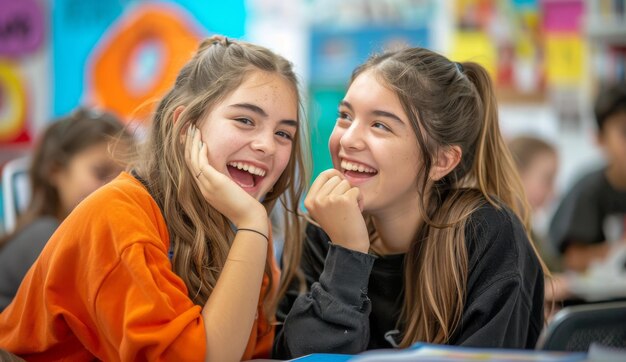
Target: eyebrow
[(258, 110), (375, 112)]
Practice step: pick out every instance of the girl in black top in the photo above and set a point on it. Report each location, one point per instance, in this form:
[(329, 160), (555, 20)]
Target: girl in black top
[(420, 232)]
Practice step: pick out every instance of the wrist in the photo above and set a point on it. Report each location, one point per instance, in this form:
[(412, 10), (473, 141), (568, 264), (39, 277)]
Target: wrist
[(362, 246), (356, 247), (260, 224), (257, 220), (254, 231)]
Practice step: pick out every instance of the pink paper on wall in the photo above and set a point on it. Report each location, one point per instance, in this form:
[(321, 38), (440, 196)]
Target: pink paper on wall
[(562, 16)]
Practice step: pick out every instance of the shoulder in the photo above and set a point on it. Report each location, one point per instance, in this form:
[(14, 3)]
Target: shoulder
[(119, 213), (497, 236), (590, 184), (489, 223), (42, 227), (500, 252), (29, 241), (123, 189), (123, 197)]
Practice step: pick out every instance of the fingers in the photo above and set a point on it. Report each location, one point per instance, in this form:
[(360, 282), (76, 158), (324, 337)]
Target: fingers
[(321, 180), (329, 186), (341, 188)]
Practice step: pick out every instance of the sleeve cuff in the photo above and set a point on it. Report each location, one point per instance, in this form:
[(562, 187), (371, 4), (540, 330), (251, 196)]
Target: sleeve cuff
[(346, 274)]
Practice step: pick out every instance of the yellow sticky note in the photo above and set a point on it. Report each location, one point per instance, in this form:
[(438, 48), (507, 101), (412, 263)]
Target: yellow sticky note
[(565, 58), (476, 47)]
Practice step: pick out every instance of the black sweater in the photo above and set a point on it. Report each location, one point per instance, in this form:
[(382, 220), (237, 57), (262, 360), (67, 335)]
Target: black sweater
[(353, 298)]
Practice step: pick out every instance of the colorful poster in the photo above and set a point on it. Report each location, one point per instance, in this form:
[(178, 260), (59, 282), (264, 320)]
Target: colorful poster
[(22, 27), (565, 55), (22, 34), (476, 47), (13, 112), (505, 37), (138, 58), (336, 52), (85, 31)]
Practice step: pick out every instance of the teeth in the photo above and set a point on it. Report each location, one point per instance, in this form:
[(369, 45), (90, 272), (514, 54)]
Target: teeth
[(247, 167), (350, 166)]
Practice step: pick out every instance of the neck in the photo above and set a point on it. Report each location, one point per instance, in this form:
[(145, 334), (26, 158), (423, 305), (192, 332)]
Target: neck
[(396, 229)]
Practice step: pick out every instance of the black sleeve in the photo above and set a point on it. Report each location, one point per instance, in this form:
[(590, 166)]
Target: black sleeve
[(504, 300), (578, 217), (333, 316)]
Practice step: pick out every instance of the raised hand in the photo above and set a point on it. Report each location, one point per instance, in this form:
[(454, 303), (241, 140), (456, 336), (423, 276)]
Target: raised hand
[(219, 190), (334, 204)]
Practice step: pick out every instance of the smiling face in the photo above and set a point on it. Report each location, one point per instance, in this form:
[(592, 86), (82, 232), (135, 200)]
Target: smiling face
[(249, 135), (374, 146)]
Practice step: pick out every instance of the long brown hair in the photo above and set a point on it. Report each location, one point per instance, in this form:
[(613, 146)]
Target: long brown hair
[(447, 104), (63, 139), (201, 236)]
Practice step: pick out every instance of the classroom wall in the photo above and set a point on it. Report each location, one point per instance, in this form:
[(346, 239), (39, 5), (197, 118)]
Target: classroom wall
[(544, 56)]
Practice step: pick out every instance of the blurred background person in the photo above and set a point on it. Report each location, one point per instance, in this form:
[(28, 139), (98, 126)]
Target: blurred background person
[(591, 217), (538, 163), (75, 156)]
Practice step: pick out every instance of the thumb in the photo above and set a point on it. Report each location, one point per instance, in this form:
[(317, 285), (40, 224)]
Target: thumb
[(354, 194)]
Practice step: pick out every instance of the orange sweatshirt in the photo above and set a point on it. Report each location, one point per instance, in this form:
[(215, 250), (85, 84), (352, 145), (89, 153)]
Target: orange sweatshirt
[(103, 288)]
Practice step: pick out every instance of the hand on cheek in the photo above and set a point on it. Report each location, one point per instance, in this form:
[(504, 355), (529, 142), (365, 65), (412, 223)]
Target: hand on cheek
[(220, 191), (335, 205)]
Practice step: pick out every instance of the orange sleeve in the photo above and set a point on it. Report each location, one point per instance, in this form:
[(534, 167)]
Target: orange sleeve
[(143, 312)]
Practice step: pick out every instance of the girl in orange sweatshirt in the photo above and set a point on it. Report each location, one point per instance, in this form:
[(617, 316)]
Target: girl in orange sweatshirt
[(172, 260)]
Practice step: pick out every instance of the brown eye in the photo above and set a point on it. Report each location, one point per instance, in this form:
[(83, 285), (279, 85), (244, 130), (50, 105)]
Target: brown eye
[(381, 126), (245, 121)]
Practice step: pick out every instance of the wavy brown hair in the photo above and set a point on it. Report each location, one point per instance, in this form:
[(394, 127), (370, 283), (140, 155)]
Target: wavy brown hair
[(200, 235), (447, 104)]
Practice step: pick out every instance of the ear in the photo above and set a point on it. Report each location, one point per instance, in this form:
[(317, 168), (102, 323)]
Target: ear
[(177, 112), (446, 160)]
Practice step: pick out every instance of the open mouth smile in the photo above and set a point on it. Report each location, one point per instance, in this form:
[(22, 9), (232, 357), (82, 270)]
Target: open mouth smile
[(245, 174)]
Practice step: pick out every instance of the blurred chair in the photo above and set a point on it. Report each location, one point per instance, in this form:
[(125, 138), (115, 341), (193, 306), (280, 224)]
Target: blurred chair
[(575, 328), (15, 190)]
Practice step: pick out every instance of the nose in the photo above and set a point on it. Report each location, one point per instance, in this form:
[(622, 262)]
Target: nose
[(264, 142), (353, 137)]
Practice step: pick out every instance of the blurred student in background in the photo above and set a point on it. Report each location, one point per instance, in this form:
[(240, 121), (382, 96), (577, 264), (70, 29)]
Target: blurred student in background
[(537, 163), (71, 160), (592, 214)]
